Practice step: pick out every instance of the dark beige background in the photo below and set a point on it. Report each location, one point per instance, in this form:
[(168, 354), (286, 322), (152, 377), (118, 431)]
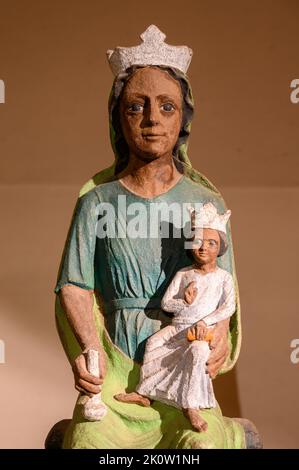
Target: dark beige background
[(54, 136)]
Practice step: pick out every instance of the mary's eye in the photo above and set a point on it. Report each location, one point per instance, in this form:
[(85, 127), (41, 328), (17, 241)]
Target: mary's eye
[(136, 108), (167, 107)]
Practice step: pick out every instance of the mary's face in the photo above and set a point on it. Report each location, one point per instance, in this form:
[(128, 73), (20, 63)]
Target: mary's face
[(151, 113)]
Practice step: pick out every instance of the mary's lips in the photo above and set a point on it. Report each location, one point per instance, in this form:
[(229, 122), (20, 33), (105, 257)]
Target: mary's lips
[(152, 135)]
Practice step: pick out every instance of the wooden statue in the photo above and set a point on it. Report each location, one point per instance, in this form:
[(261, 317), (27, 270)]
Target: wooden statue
[(114, 272)]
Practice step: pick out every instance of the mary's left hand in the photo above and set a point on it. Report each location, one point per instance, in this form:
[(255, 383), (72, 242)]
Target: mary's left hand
[(219, 347)]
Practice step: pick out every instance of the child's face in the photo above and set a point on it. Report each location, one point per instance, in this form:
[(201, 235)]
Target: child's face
[(209, 249)]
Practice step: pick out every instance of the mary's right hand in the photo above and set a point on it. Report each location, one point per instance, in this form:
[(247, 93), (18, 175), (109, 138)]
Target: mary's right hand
[(85, 382)]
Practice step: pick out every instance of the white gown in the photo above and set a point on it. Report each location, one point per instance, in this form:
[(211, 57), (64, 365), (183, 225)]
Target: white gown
[(173, 369)]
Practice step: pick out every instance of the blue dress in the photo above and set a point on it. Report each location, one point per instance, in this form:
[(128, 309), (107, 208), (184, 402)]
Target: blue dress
[(130, 274)]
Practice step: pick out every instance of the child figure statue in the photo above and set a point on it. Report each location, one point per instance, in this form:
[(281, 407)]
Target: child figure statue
[(199, 296)]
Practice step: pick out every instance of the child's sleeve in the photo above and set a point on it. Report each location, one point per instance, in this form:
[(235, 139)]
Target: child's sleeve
[(227, 303), (172, 300)]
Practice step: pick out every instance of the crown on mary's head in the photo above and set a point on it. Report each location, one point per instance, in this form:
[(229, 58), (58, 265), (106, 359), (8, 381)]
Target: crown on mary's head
[(152, 51)]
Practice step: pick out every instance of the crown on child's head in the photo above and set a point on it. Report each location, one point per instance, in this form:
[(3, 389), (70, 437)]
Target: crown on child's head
[(152, 51), (208, 217)]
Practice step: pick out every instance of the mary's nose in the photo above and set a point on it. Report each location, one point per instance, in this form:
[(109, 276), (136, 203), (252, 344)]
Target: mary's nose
[(152, 114)]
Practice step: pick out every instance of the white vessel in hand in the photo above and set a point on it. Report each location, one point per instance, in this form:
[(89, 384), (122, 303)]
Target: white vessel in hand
[(94, 409)]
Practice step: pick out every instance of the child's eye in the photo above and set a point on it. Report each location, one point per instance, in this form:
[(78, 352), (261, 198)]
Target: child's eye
[(167, 107)]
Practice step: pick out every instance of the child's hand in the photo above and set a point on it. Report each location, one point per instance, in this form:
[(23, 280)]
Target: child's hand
[(190, 292), (198, 331)]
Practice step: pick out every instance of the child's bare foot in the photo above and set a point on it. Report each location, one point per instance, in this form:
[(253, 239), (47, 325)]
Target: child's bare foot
[(133, 397), (196, 420)]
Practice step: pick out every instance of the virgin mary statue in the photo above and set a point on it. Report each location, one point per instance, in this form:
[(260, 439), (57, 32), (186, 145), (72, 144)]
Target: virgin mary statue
[(126, 277)]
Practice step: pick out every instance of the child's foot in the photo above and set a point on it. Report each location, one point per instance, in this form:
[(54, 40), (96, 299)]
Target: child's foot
[(198, 423), (133, 397)]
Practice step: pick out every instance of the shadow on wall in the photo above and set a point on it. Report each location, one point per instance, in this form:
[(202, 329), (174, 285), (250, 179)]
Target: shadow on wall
[(227, 395)]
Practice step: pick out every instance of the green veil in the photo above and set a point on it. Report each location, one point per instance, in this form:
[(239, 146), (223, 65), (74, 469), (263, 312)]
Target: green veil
[(159, 426)]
